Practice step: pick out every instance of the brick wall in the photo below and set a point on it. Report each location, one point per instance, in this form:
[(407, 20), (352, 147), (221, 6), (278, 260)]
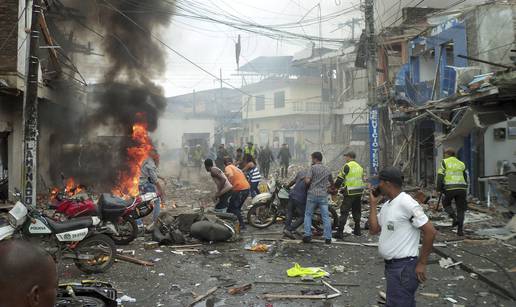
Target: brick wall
[(8, 35)]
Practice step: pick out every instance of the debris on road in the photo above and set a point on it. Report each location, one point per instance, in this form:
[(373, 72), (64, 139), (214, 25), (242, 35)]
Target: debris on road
[(241, 289), (202, 297), (446, 263), (307, 296), (125, 298), (133, 260), (299, 271), (428, 294), (151, 245)]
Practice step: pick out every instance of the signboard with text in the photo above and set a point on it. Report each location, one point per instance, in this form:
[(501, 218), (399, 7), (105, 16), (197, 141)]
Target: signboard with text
[(374, 143)]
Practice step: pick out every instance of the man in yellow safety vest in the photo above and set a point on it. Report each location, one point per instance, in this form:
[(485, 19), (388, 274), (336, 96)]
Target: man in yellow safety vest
[(452, 180), (350, 178)]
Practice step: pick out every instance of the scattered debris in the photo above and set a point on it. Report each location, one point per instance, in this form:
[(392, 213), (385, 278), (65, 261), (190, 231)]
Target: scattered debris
[(151, 245), (279, 282), (126, 298), (487, 270), (177, 253), (300, 296), (133, 260), (241, 289), (451, 300), (201, 297), (298, 270), (428, 294), (446, 263), (214, 252), (338, 268)]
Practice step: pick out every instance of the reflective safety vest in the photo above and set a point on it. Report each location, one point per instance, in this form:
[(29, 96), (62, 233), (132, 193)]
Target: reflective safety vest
[(353, 179), (249, 150), (453, 171)]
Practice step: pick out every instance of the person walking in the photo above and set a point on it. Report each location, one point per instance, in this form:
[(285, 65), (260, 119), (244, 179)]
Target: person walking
[(319, 180), (284, 157), (222, 154), (253, 174), (240, 190), (452, 179), (250, 149), (266, 157), (148, 182), (350, 178), (296, 205), (399, 223), (224, 187)]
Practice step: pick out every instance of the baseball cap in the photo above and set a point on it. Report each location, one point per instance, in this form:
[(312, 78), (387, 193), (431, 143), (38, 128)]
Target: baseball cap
[(392, 174)]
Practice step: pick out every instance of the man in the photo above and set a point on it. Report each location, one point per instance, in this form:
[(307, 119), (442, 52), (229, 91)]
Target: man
[(399, 223), (452, 179), (29, 275), (296, 204), (239, 158), (221, 155), (183, 162), (224, 188), (149, 182), (319, 180), (250, 149), (350, 178), (266, 157), (240, 190), (284, 157), (197, 157)]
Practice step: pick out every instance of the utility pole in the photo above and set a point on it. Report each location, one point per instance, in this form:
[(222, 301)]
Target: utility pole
[(372, 100), (30, 110)]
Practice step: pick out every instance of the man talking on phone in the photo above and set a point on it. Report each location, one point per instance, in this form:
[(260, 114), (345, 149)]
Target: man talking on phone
[(400, 223)]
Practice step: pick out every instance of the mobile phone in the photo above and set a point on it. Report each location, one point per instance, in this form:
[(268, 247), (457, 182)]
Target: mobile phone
[(376, 192)]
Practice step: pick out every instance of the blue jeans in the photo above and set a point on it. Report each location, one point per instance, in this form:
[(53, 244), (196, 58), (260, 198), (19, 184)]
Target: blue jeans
[(235, 205), (146, 188), (402, 282), (312, 202), (254, 189)]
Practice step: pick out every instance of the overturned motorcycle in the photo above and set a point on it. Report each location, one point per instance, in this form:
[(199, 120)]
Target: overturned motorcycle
[(80, 239)]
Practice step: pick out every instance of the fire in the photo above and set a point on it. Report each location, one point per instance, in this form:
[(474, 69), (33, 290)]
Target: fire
[(71, 189), (128, 179)]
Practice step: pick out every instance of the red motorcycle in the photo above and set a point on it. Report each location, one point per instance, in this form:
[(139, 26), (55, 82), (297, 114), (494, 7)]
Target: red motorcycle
[(118, 215)]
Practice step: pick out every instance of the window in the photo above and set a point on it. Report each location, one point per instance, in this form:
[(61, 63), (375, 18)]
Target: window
[(279, 99), (359, 132), (259, 103)]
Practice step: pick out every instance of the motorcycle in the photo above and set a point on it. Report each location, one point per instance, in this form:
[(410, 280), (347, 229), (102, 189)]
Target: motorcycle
[(267, 207), (117, 214), (80, 239)]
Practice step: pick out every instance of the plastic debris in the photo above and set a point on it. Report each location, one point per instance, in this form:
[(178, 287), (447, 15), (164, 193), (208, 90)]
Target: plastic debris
[(451, 300), (298, 270), (214, 252), (125, 298)]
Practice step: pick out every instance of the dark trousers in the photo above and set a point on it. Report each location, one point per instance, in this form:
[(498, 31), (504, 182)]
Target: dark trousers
[(351, 203), (284, 169), (254, 188), (460, 202), (402, 282), (223, 201), (235, 205), (265, 167), (294, 209)]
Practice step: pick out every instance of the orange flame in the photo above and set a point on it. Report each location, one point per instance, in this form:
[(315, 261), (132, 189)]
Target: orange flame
[(128, 179), (71, 189)]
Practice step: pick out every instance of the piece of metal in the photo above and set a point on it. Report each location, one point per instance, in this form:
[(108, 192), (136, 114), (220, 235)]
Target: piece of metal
[(485, 62), (30, 110)]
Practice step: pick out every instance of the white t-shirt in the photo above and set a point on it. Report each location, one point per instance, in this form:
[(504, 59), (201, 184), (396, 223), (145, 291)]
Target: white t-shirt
[(400, 220)]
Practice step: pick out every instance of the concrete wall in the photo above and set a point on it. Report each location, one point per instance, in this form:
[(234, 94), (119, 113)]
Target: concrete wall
[(498, 150), (8, 19), (171, 129)]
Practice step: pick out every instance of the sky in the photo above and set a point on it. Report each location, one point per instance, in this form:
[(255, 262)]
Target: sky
[(212, 45)]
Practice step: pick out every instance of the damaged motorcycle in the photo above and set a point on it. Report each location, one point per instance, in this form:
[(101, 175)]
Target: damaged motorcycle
[(80, 239)]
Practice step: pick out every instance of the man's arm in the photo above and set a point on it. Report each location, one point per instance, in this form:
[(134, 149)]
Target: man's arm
[(429, 233), (374, 226), (341, 177), (308, 178)]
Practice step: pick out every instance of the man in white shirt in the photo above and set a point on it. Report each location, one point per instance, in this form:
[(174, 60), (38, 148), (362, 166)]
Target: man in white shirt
[(399, 223)]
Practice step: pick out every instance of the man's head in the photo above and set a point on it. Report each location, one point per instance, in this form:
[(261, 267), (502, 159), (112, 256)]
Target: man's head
[(316, 157), (449, 152), (350, 156), (239, 150), (391, 180), (208, 164), (228, 161), (28, 275), (154, 155), (221, 146)]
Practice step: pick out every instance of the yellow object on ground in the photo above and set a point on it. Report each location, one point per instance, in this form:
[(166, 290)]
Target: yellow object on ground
[(260, 248), (298, 270), (262, 187)]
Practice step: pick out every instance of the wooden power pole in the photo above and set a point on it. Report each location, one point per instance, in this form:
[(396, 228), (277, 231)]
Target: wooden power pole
[(372, 99), (30, 110)]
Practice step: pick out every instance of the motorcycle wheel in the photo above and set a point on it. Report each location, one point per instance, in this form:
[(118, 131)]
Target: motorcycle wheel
[(262, 215), (103, 250), (334, 219), (127, 232), (79, 301)]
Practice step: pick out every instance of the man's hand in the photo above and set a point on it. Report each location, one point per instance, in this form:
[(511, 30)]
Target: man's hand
[(421, 272), (373, 201)]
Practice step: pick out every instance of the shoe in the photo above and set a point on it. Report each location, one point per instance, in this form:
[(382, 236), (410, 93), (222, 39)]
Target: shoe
[(455, 223), (289, 234), (460, 233), (327, 241), (357, 231), (339, 235), (307, 239)]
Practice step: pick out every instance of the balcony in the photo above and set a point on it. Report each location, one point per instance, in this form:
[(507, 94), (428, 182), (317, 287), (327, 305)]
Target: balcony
[(290, 108)]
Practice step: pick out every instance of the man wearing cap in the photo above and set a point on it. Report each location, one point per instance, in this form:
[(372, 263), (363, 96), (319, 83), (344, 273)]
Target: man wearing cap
[(452, 179), (250, 149), (399, 224), (350, 178)]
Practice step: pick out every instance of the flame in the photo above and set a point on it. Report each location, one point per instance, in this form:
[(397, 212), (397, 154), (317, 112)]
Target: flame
[(71, 189), (128, 179)]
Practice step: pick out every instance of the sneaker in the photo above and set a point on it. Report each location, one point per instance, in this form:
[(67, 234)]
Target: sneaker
[(327, 241), (339, 235), (289, 234), (307, 239)]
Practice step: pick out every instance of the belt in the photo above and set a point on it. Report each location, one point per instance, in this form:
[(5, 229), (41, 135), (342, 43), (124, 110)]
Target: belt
[(399, 260)]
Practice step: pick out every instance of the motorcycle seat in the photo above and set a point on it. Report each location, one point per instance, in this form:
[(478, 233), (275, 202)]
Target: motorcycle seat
[(69, 225), (111, 207)]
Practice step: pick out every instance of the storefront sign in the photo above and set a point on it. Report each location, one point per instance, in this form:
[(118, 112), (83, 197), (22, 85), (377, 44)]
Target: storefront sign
[(374, 142)]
